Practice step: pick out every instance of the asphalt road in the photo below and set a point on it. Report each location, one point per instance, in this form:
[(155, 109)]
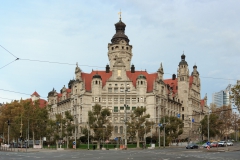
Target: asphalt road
[(137, 154)]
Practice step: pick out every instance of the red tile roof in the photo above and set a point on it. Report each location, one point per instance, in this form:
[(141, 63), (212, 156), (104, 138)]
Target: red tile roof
[(36, 94), (149, 77), (87, 78), (42, 102), (172, 83)]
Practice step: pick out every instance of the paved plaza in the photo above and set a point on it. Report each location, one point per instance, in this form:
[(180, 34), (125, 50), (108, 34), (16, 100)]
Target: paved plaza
[(169, 153)]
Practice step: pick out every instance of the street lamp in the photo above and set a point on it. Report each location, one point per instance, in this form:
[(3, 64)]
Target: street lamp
[(8, 129), (75, 118), (125, 116)]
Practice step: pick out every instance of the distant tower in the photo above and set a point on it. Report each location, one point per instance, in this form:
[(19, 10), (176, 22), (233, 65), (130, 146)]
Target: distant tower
[(183, 86), (78, 72), (120, 47), (160, 72)]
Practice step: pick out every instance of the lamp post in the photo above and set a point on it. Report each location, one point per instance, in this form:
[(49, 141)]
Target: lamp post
[(208, 126), (75, 132), (164, 124), (88, 132), (8, 130), (125, 116)]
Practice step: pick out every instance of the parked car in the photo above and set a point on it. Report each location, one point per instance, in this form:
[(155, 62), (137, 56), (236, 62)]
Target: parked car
[(214, 144), (222, 143), (229, 143), (192, 146), (205, 145)]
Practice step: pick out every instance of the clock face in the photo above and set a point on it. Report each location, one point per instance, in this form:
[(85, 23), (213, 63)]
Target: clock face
[(119, 73)]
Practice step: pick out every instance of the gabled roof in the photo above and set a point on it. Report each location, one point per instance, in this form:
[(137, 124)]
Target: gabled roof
[(35, 94), (172, 83), (149, 77), (87, 78), (42, 102)]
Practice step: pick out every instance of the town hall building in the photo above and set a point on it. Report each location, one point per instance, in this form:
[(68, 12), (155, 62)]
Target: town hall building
[(121, 84)]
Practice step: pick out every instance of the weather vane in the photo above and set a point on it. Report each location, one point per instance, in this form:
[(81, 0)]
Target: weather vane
[(120, 14)]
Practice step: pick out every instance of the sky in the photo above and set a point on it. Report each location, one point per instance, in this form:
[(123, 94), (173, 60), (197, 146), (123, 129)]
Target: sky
[(79, 31)]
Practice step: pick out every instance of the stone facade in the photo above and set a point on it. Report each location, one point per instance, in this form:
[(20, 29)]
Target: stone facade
[(121, 84)]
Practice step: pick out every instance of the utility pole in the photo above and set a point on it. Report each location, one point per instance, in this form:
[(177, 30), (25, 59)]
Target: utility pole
[(164, 131), (208, 126), (159, 136), (8, 130), (75, 132), (125, 118), (88, 132), (21, 131)]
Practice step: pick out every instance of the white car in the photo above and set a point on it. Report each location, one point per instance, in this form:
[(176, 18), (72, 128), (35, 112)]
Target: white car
[(229, 143), (222, 144)]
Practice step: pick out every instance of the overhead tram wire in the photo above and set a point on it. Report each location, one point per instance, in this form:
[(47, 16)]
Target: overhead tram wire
[(83, 65), (18, 92), (9, 63), (41, 61), (9, 52), (7, 98)]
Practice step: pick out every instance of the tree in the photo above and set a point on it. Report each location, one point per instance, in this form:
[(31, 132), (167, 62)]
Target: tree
[(24, 116), (68, 125), (173, 127), (84, 139), (235, 97), (225, 119), (214, 125), (138, 124), (99, 123)]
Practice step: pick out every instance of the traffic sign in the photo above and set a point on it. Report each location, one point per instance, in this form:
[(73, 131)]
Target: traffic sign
[(208, 143), (74, 142), (160, 124)]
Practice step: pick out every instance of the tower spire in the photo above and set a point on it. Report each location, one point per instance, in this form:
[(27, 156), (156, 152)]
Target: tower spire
[(120, 15)]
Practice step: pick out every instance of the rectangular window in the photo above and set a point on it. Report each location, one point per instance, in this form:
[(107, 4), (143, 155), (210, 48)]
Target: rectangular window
[(182, 108), (115, 90), (133, 100), (115, 109), (121, 108), (109, 99), (104, 99), (128, 108), (110, 90), (121, 100), (128, 100), (133, 108)]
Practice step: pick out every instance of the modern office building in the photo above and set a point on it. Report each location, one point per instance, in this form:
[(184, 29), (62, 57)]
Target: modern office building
[(222, 98)]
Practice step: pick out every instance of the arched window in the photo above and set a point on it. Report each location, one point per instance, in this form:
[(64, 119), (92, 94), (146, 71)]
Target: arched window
[(121, 129), (112, 48), (141, 82), (96, 82), (116, 129), (116, 47), (127, 48)]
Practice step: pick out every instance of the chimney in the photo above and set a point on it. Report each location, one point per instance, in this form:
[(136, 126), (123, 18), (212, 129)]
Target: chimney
[(107, 68), (132, 69), (173, 76)]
